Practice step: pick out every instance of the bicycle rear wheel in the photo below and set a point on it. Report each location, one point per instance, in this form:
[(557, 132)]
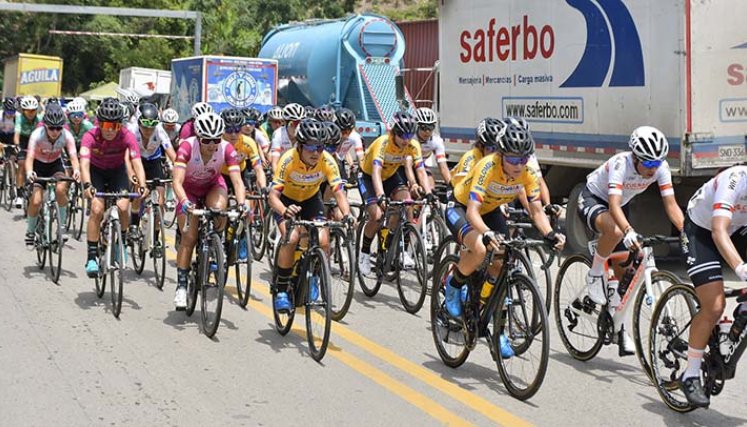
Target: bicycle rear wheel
[(283, 321), (448, 246), (342, 273), (41, 240), (244, 285), (158, 251), (449, 334), (319, 309), (259, 241), (521, 318), (370, 285), (435, 233), (137, 243), (116, 272), (411, 280), (212, 282), (78, 215), (56, 243)]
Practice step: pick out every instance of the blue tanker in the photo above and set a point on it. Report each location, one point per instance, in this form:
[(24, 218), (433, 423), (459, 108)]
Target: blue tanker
[(350, 62)]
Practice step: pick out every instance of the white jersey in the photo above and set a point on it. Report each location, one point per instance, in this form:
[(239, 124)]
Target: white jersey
[(724, 195), (618, 176), (159, 138), (174, 133), (7, 125), (434, 145), (280, 142), (261, 139), (353, 141)]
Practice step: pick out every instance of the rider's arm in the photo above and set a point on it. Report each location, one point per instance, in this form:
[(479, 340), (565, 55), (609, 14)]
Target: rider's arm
[(30, 151), (166, 143), (234, 173), (720, 235), (664, 179), (617, 213), (332, 172), (674, 212), (137, 166), (409, 173), (71, 151), (725, 200), (259, 171), (440, 154), (419, 165), (183, 156), (17, 134), (445, 173), (544, 192), (539, 218), (474, 218), (85, 157)]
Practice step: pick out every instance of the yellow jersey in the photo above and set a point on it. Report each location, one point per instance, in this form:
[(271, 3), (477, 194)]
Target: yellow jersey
[(488, 185), (465, 164), (297, 181), (245, 148), (384, 153)]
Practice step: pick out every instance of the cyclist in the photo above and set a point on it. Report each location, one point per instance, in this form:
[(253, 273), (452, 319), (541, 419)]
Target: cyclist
[(295, 193), (187, 130), (26, 122), (253, 130), (197, 181), (153, 142), (550, 209), (489, 132), (432, 147), (381, 176), (102, 167), (44, 159), (245, 147), (474, 214), (716, 227), (602, 206), (274, 120), (345, 120), (8, 127), (78, 124), (284, 137), (170, 123)]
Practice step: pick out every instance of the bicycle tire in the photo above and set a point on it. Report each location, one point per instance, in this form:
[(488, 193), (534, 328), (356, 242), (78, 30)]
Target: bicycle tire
[(136, 245), (71, 202), (563, 311), (369, 290), (41, 240), (100, 279), (531, 334), (80, 215), (245, 291), (438, 226), (159, 256), (10, 187), (259, 241), (3, 186), (116, 272), (56, 244), (412, 306), (542, 278), (342, 260), (318, 344), (667, 382), (283, 321), (192, 287), (210, 324), (442, 326), (443, 250)]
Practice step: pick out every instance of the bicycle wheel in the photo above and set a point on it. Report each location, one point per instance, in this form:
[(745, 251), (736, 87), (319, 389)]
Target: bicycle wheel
[(370, 285), (412, 279), (521, 318), (433, 236), (212, 282), (116, 272), (56, 243), (257, 230), (448, 246), (244, 285), (100, 279), (9, 186), (283, 321), (41, 239), (79, 216), (667, 349), (272, 236), (158, 251), (542, 278), (642, 310), (170, 216), (3, 186), (342, 273), (319, 310), (137, 243), (193, 286), (449, 334), (575, 314)]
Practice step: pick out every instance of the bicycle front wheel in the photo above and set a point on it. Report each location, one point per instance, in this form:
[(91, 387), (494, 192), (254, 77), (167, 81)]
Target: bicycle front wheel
[(55, 244), (412, 280), (318, 304), (212, 282), (78, 215), (259, 241), (370, 284), (543, 278), (244, 266), (158, 251), (116, 270), (342, 273), (137, 246), (449, 334), (41, 240), (521, 337)]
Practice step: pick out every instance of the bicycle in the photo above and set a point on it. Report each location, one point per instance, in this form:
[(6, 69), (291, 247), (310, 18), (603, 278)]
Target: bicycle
[(390, 265), (310, 271), (514, 307), (77, 208), (432, 227), (342, 266), (257, 217), (48, 233), (112, 251), (151, 236), (208, 269), (584, 326), (239, 229)]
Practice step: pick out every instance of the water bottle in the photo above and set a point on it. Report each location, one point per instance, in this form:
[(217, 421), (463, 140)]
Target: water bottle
[(613, 296), (724, 340), (487, 289), (740, 320), (383, 233)]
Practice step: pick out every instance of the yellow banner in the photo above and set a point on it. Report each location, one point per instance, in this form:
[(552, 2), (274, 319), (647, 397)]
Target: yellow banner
[(39, 76)]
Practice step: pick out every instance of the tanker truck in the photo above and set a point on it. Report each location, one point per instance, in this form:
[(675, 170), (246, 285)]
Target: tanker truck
[(351, 62)]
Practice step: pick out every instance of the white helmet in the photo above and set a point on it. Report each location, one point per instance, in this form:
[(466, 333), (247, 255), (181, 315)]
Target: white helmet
[(518, 121), (81, 101), (425, 116), (201, 107), (75, 107), (29, 103), (275, 113), (209, 125), (648, 143), (293, 112), (169, 115), (132, 97)]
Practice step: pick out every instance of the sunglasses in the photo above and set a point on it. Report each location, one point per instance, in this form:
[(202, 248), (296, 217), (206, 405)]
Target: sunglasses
[(233, 129), (516, 160), (489, 149), (110, 125), (331, 148), (311, 148), (210, 140), (250, 123), (29, 111), (149, 123), (75, 115), (54, 128), (426, 128), (651, 164), (407, 136), (9, 112)]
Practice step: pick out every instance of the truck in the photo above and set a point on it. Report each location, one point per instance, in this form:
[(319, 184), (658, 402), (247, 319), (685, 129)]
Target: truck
[(350, 62), (584, 74), (146, 83), (223, 82), (28, 74)]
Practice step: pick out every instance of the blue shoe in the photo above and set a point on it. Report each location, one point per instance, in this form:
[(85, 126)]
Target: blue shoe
[(243, 251), (507, 351), (314, 288), (282, 304), (92, 269), (213, 266), (453, 299)]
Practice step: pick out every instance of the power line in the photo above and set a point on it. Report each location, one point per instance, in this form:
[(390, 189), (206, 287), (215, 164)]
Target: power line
[(107, 34)]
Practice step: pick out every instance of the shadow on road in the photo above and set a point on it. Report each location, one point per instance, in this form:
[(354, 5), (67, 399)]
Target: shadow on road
[(277, 342), (603, 369), (697, 418)]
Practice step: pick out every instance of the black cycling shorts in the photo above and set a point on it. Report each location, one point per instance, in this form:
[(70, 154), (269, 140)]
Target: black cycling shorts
[(153, 169), (48, 170), (365, 185), (456, 220), (591, 206), (311, 208), (704, 261), (110, 180), (244, 179)]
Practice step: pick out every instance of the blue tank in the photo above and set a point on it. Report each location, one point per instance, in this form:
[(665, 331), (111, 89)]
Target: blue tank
[(350, 62)]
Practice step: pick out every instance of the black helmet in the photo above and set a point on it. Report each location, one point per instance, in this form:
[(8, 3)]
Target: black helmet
[(110, 110), (333, 134), (309, 110), (403, 123), (490, 131), (311, 131), (53, 100), (345, 119), (324, 114), (517, 140), (9, 104), (54, 116), (251, 115), (148, 111), (232, 117)]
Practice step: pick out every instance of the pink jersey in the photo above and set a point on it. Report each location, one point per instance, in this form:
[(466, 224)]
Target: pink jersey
[(47, 151), (187, 130), (200, 174), (108, 154)]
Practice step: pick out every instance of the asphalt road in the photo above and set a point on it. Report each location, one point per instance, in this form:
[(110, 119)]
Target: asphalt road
[(67, 361)]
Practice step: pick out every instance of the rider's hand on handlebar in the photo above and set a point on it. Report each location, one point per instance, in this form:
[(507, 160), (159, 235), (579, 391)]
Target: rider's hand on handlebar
[(490, 238), (187, 206), (556, 239), (631, 240), (291, 211), (552, 210), (30, 176), (144, 192), (349, 220), (89, 191), (431, 198), (741, 271)]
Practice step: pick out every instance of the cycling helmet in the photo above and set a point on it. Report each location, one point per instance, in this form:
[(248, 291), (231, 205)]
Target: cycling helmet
[(324, 114), (519, 121), (309, 110), (648, 143), (110, 110), (334, 137), (516, 140), (75, 107), (128, 108), (53, 100), (209, 125), (275, 113), (403, 123), (293, 111), (425, 116), (232, 117), (132, 98), (29, 103), (251, 115), (9, 104), (345, 119), (80, 101), (148, 111), (54, 116), (169, 115), (311, 131), (490, 131), (201, 107)]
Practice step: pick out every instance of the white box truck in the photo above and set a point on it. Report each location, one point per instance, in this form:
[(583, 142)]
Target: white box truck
[(585, 73), (147, 83)]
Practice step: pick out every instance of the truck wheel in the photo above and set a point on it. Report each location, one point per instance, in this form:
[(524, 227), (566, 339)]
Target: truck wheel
[(577, 234)]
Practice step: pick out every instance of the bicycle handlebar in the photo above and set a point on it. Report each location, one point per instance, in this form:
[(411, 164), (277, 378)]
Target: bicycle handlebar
[(122, 195), (519, 244), (648, 242), (54, 180)]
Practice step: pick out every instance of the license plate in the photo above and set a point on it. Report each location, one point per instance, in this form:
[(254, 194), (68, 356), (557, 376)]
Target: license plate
[(731, 152)]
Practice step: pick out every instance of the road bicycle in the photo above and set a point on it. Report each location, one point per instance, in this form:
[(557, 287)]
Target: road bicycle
[(77, 206), (49, 236), (342, 265), (150, 239)]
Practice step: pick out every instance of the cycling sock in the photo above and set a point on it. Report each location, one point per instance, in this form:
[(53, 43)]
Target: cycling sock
[(63, 214), (31, 224), (597, 267), (93, 249), (694, 360), (283, 279), (181, 277), (135, 218), (457, 279), (366, 244)]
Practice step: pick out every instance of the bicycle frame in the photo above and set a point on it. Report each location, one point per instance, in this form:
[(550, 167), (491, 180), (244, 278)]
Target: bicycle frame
[(396, 207)]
